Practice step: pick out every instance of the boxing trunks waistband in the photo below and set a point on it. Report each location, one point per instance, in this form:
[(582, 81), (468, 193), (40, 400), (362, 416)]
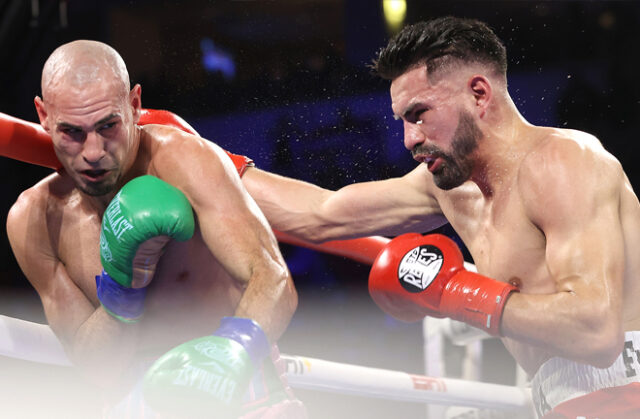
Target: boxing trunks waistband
[(559, 379)]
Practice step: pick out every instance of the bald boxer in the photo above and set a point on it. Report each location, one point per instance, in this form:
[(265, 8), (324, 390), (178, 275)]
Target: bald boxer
[(548, 215), (145, 244)]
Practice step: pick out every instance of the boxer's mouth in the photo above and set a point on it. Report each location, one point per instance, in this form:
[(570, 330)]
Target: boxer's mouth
[(94, 175), (431, 160)]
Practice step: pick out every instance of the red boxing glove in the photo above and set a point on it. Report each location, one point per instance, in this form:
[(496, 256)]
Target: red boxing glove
[(240, 162), (417, 275)]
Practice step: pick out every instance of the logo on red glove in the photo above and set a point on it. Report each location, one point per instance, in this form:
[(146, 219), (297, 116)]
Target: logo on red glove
[(419, 267)]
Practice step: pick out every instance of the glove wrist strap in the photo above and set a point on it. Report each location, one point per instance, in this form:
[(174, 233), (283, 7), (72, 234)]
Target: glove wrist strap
[(249, 334), (125, 304), (477, 300)]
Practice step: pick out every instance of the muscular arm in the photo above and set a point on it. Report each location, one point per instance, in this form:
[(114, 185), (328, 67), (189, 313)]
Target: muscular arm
[(94, 341), (572, 194), (232, 226), (387, 207)]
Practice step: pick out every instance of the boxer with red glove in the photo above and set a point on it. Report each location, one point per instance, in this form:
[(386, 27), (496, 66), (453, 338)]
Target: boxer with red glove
[(415, 276)]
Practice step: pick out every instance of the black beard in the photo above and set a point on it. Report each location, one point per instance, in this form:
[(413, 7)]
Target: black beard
[(457, 166)]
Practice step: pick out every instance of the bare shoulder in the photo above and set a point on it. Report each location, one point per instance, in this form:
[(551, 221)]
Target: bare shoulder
[(29, 217), (559, 154), (173, 151), (565, 166), (47, 193)]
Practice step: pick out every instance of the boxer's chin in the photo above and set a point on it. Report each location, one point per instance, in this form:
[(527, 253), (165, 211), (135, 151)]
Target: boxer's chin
[(451, 175), (98, 186)]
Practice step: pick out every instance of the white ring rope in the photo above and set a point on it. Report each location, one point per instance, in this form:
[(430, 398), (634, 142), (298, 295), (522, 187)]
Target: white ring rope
[(317, 374), (31, 342), (37, 343)]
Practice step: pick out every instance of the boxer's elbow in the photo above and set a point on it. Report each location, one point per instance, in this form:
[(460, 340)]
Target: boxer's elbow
[(603, 352), (291, 298), (289, 295), (604, 340), (281, 287), (282, 298)]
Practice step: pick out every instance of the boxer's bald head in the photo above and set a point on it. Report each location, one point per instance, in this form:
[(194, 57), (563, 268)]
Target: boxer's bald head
[(91, 114), (81, 63)]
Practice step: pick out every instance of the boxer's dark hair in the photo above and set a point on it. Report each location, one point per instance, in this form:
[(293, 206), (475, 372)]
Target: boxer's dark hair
[(439, 42)]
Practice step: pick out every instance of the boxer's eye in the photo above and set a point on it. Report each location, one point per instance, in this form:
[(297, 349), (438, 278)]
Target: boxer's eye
[(107, 126), (70, 131), (415, 116)]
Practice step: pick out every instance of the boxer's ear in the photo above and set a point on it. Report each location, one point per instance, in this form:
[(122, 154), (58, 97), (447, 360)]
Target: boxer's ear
[(482, 91), (42, 112), (135, 101)]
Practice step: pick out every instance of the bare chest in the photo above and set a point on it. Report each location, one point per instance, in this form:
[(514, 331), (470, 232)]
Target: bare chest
[(78, 249), (506, 246), (188, 277), (504, 243)]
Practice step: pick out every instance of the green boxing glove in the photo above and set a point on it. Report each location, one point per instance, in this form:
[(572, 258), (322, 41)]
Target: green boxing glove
[(208, 376), (139, 221)]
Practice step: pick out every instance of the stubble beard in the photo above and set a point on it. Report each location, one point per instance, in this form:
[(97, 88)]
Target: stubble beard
[(99, 188), (457, 166)]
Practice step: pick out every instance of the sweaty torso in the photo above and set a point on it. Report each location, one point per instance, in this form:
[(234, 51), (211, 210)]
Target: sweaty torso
[(507, 246), (190, 291)]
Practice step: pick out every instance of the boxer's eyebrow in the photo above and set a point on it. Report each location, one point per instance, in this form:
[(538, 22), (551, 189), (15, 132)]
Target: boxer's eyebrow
[(68, 125), (106, 118), (408, 111)]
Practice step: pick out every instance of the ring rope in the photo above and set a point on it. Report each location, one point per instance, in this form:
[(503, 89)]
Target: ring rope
[(36, 342), (30, 341), (317, 374)]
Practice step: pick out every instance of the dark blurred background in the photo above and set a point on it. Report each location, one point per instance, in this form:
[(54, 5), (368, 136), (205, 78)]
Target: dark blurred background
[(287, 83)]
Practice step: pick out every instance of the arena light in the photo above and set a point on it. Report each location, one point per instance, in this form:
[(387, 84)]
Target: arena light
[(394, 13)]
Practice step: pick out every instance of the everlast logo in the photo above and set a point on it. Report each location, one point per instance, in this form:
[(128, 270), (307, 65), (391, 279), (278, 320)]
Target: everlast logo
[(117, 223), (220, 387), (105, 251), (419, 267), (220, 353)]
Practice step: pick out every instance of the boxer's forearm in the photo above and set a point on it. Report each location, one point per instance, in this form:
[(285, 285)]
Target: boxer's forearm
[(583, 331), (270, 299), (103, 347)]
